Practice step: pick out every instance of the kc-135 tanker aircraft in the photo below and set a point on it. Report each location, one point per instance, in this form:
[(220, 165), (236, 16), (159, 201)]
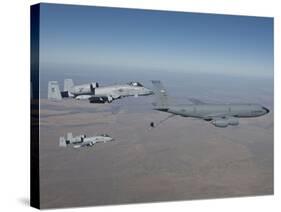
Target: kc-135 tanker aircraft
[(220, 115), (94, 93), (83, 140)]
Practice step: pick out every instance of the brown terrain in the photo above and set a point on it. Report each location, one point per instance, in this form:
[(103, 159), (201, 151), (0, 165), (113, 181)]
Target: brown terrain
[(181, 159)]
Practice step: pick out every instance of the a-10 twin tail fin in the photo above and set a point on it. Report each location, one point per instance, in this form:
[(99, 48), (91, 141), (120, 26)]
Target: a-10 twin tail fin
[(68, 85), (54, 90)]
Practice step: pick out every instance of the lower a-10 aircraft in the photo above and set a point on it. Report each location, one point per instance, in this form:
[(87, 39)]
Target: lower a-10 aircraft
[(95, 93), (220, 115), (83, 140)]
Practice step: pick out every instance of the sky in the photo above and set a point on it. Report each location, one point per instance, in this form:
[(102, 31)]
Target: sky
[(155, 41)]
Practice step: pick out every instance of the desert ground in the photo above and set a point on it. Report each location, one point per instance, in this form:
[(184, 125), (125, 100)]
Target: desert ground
[(181, 159)]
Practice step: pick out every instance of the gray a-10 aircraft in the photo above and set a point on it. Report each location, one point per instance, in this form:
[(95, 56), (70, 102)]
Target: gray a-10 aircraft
[(220, 115), (94, 93), (82, 140)]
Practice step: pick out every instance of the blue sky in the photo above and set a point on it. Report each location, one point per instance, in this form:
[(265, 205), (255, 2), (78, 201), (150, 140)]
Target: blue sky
[(158, 41)]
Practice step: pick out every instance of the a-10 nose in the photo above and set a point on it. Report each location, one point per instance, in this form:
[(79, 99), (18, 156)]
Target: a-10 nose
[(110, 139), (266, 110)]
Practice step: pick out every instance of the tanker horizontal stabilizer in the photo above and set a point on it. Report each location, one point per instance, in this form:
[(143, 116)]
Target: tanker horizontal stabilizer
[(196, 101)]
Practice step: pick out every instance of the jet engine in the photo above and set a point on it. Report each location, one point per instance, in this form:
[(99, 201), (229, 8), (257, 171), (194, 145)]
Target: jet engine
[(233, 121), (76, 139), (85, 89), (220, 122)]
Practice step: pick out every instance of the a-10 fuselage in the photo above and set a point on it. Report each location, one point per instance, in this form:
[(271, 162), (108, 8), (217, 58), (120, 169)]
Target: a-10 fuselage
[(95, 93), (116, 91), (83, 140)]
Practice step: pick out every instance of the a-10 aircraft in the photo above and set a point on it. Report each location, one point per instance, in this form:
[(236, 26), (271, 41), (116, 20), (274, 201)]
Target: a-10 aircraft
[(220, 115), (95, 93), (83, 140)]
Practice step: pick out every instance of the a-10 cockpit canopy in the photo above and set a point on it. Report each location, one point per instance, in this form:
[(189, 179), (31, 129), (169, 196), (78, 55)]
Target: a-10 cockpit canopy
[(104, 135), (136, 84)]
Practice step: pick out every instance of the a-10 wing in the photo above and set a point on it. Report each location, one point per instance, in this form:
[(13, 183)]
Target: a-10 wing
[(88, 144), (77, 146), (100, 99), (103, 98)]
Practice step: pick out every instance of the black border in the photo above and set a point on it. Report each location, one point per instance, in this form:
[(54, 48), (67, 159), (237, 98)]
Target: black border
[(34, 106)]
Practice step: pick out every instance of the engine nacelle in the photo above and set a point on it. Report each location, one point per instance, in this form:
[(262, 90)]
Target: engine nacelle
[(220, 123), (77, 139), (85, 89), (233, 121)]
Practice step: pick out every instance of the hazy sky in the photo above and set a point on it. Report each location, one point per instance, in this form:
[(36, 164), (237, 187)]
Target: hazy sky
[(156, 40)]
